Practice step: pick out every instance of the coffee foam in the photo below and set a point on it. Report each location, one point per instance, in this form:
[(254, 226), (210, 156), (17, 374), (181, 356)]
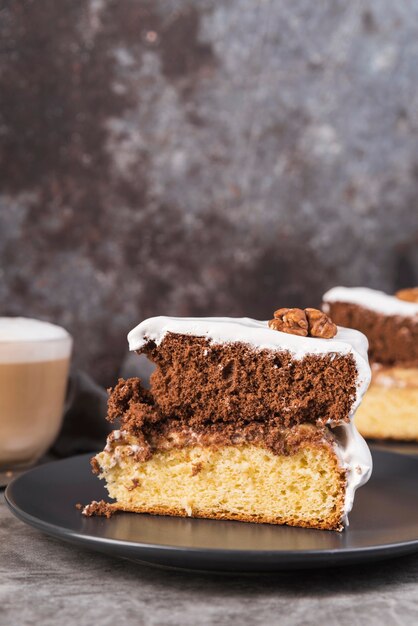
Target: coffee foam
[(27, 340)]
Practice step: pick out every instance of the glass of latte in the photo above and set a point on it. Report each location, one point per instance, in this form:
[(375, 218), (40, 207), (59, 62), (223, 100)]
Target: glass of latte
[(34, 364)]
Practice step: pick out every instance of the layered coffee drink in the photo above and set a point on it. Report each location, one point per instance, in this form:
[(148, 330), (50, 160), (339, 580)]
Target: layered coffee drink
[(34, 364)]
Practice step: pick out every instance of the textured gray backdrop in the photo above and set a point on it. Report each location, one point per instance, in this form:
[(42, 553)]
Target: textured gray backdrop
[(202, 157)]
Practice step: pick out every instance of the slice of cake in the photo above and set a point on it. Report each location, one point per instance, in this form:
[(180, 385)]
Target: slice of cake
[(245, 420), (390, 407)]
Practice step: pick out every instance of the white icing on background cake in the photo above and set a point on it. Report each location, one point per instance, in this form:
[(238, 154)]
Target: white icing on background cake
[(25, 340), (257, 334), (371, 299)]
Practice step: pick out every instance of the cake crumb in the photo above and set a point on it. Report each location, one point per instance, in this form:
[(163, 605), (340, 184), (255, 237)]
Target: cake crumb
[(102, 509), (188, 508), (95, 467), (196, 468), (135, 483), (79, 506)]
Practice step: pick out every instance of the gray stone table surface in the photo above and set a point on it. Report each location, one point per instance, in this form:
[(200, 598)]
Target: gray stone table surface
[(45, 582)]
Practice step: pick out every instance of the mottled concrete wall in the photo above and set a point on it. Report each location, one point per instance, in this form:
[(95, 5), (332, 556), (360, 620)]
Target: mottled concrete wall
[(202, 157)]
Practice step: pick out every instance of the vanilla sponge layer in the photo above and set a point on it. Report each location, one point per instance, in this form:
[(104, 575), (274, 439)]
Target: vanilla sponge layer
[(247, 483), (389, 412)]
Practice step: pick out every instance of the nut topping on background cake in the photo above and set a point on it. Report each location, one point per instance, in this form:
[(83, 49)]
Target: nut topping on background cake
[(310, 322), (410, 295), (292, 321)]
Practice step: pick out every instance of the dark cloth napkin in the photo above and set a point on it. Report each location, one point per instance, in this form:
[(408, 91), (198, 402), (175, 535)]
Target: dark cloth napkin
[(84, 427)]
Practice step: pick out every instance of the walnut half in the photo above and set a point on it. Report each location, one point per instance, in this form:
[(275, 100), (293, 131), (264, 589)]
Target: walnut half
[(291, 321), (306, 322), (320, 325)]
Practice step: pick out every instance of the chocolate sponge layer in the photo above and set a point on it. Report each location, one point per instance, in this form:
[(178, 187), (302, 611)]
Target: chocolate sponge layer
[(201, 382), (392, 339)]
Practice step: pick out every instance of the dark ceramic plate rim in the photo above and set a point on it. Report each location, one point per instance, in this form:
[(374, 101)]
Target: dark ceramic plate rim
[(191, 557)]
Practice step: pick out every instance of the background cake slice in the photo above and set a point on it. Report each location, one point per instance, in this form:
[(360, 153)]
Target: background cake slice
[(390, 407), (241, 422)]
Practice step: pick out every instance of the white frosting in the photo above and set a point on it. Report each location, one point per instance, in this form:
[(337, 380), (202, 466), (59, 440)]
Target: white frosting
[(26, 340), (258, 335), (373, 300), (354, 455)]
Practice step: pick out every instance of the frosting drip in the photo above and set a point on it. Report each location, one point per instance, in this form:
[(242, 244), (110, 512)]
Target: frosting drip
[(354, 455)]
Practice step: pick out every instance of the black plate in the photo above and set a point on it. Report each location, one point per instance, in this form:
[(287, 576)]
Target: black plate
[(384, 523)]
